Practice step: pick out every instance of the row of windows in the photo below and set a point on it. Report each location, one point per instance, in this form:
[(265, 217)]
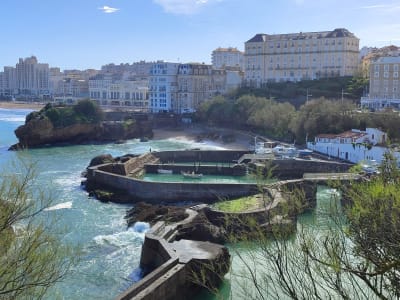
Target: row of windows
[(387, 74), (386, 68)]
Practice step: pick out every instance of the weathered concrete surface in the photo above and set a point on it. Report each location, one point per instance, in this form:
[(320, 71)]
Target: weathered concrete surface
[(156, 192), (295, 168), (172, 269)]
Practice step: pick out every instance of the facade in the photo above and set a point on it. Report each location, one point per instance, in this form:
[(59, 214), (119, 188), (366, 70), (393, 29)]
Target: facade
[(194, 86), (29, 79), (227, 58), (112, 90), (139, 69), (163, 86), (300, 56), (384, 84), (32, 77), (353, 146), (181, 88)]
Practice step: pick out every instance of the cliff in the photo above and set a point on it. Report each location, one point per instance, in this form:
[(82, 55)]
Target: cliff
[(68, 125)]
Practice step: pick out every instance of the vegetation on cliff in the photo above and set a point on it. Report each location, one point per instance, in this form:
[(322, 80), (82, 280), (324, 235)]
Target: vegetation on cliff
[(281, 120), (84, 112), (296, 92)]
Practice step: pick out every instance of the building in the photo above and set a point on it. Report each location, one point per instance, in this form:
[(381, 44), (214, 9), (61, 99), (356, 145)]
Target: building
[(194, 86), (384, 87), (227, 58), (300, 56), (163, 86), (353, 146), (181, 88), (29, 79), (113, 90), (32, 78)]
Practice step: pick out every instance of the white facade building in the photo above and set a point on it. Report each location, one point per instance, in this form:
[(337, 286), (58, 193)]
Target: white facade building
[(384, 84), (353, 146), (163, 86), (111, 90), (300, 56)]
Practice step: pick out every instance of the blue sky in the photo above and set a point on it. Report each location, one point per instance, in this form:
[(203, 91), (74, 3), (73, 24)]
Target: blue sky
[(89, 33)]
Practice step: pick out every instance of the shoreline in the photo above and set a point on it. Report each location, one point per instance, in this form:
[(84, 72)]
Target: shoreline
[(198, 133), (21, 105)]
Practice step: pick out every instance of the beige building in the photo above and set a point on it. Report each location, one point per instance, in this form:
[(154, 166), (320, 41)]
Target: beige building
[(227, 58), (111, 90), (300, 56), (194, 86), (383, 84)]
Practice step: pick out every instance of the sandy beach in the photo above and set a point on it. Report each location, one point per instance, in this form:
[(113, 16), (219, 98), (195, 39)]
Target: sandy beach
[(21, 105)]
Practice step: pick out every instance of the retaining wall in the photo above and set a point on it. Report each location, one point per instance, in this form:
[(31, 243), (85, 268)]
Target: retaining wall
[(295, 168), (141, 190)]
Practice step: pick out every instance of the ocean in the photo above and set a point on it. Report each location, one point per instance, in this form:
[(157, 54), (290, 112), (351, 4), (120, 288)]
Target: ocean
[(110, 251)]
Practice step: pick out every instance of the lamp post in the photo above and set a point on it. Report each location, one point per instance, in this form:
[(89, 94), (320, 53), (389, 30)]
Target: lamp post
[(255, 144)]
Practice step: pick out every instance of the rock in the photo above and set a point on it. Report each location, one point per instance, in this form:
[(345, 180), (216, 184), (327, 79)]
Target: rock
[(39, 130), (201, 229), (145, 212), (101, 159)]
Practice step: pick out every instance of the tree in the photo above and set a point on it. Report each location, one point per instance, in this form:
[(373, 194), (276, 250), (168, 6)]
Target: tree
[(31, 258), (357, 255)]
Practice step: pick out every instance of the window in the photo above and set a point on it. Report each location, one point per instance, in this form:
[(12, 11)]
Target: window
[(376, 75), (386, 67), (386, 74), (396, 74)]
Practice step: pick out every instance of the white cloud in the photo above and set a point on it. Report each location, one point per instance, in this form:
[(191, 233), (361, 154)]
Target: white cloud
[(184, 7), (108, 9)]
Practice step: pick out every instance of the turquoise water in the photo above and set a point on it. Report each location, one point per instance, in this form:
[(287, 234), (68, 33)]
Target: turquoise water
[(203, 179), (110, 251)]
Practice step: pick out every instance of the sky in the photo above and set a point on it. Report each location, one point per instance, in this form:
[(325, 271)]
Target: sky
[(83, 34)]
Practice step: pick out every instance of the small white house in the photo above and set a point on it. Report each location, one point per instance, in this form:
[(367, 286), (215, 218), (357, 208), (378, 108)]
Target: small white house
[(354, 145)]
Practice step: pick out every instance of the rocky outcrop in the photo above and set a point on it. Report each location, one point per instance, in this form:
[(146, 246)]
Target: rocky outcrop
[(41, 132)]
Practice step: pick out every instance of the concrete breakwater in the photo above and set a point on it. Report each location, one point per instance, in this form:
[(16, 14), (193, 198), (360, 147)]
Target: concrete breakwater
[(177, 269), (125, 175)]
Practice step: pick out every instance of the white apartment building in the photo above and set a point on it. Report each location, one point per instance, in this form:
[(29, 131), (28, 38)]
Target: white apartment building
[(384, 86), (227, 58), (300, 56), (111, 90), (27, 79), (353, 146), (163, 86), (32, 77)]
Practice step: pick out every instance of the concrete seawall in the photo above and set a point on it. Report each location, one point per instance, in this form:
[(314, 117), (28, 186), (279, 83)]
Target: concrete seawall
[(155, 192), (123, 176)]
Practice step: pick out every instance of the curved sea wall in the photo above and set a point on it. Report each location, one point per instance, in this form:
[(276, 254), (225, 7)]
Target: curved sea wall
[(156, 192)]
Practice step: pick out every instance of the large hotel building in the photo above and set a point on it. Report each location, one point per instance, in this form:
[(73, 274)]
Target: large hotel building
[(300, 56)]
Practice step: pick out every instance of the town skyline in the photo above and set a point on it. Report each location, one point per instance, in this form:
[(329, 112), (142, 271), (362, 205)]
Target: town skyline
[(86, 35)]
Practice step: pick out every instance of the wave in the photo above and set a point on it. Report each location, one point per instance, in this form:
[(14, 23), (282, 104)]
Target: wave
[(120, 239), (65, 205), (141, 227)]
